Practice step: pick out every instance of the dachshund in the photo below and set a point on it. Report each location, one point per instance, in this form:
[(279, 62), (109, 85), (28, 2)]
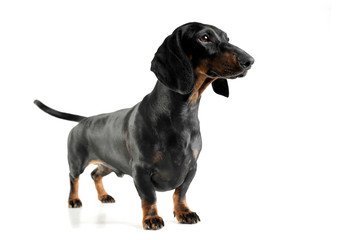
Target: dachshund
[(157, 142)]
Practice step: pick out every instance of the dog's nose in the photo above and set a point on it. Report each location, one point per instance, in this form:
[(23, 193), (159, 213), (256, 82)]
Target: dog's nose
[(246, 62), (249, 62)]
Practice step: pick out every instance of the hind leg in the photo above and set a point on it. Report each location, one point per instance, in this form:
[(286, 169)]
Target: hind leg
[(97, 176), (74, 201), (78, 159), (76, 169)]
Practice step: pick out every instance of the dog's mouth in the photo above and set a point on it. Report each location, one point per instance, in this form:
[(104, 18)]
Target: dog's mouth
[(241, 75), (230, 74)]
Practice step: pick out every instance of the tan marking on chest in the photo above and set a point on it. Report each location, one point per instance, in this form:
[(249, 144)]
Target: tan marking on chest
[(157, 157), (195, 154)]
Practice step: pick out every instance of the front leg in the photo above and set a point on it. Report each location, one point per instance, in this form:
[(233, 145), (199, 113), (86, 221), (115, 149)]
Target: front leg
[(181, 209), (146, 191)]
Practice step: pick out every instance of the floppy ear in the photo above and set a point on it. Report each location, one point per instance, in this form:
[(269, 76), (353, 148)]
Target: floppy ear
[(172, 67), (220, 86)]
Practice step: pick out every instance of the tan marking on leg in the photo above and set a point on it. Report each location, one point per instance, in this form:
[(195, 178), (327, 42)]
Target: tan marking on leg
[(181, 210), (100, 188), (74, 193), (149, 209), (180, 205), (97, 176), (74, 201), (151, 219)]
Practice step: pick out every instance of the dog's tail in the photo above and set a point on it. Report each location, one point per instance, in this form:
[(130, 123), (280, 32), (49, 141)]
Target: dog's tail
[(62, 115)]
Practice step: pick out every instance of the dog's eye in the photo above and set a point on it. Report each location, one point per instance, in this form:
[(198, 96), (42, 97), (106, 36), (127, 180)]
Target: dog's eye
[(204, 38)]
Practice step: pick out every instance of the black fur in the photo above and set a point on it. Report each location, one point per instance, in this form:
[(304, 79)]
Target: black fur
[(157, 141), (171, 65), (220, 86), (62, 115)]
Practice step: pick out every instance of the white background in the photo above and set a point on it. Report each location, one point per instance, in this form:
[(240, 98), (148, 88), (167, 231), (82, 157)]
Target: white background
[(281, 156)]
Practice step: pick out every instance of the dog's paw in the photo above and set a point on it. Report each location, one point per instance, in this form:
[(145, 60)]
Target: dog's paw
[(187, 217), (107, 199), (74, 203), (153, 222)]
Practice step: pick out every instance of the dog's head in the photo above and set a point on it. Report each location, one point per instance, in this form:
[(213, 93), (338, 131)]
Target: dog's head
[(195, 55)]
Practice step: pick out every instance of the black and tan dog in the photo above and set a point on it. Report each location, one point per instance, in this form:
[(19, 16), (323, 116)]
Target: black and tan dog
[(157, 141)]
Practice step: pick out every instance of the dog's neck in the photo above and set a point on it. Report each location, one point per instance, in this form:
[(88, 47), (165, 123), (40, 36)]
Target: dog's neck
[(202, 82), (164, 102)]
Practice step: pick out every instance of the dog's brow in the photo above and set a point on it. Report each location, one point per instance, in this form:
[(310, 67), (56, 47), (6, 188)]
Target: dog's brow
[(212, 32)]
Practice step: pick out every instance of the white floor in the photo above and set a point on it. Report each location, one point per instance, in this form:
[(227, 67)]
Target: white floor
[(255, 210)]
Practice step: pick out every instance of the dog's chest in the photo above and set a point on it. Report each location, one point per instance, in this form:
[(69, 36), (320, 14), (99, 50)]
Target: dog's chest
[(174, 158), (170, 173), (176, 149)]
